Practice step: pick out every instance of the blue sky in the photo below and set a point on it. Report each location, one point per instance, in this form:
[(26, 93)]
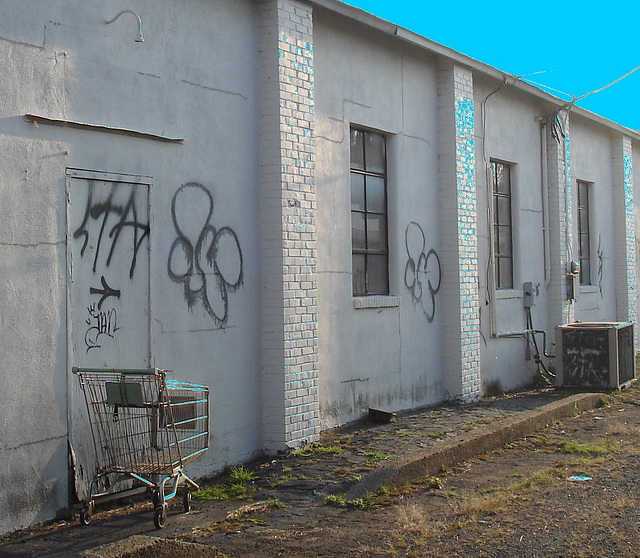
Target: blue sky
[(573, 47)]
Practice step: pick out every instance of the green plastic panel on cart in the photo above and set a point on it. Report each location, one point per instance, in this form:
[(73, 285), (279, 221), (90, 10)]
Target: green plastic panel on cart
[(124, 394)]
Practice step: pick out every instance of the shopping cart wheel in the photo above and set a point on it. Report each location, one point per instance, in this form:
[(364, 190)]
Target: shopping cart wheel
[(186, 501), (160, 516), (86, 515)]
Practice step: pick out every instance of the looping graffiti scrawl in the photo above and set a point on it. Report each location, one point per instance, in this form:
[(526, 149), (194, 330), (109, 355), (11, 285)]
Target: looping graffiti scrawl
[(421, 267), (205, 260)]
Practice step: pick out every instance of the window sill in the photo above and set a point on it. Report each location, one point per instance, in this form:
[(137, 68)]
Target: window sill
[(361, 302), (504, 294), (589, 289)]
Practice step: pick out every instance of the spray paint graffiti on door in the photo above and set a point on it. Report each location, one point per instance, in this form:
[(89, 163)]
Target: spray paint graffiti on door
[(108, 315)]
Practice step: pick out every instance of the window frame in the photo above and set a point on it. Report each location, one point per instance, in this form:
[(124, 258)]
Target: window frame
[(498, 226), (583, 212), (371, 173)]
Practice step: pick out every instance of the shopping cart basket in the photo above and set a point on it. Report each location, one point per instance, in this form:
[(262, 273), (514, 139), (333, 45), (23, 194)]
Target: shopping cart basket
[(145, 428)]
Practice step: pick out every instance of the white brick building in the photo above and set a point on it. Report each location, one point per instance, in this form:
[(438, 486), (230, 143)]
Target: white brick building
[(309, 209)]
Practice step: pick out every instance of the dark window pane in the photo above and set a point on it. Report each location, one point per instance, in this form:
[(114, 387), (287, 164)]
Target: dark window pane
[(584, 245), (358, 231), (505, 274), (501, 179), (504, 241), (583, 194), (358, 274), (376, 200), (357, 191), (585, 272), (376, 232), (375, 153), (378, 277), (357, 149), (503, 210), (583, 222)]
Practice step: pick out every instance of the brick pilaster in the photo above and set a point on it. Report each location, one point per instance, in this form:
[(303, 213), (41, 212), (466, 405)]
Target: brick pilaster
[(289, 308), (624, 232), (558, 155), (459, 232)]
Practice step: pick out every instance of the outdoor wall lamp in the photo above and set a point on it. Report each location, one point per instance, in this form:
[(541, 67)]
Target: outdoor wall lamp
[(140, 38)]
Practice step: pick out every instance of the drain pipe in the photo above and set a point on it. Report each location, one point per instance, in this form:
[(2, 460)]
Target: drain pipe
[(545, 202)]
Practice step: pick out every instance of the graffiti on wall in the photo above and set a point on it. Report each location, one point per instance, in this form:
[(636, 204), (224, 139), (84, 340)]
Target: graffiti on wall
[(101, 324), (113, 226), (600, 264), (101, 212), (206, 260), (422, 274)]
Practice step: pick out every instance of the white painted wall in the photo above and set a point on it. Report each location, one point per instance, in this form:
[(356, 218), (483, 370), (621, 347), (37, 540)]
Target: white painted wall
[(387, 357), (591, 161), (193, 77), (511, 134)]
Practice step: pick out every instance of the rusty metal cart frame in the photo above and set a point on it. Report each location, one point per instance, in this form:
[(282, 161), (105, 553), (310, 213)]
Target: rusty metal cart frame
[(146, 428)]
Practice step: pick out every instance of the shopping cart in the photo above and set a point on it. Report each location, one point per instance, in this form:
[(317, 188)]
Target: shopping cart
[(145, 428)]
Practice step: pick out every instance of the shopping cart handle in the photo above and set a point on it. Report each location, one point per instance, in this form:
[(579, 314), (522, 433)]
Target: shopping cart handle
[(133, 371)]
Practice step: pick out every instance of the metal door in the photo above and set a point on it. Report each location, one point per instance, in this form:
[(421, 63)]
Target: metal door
[(108, 293)]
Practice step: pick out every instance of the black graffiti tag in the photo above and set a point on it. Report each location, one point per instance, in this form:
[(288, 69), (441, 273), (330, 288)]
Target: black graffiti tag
[(600, 255), (126, 215), (205, 260), (100, 324), (421, 266), (106, 291)]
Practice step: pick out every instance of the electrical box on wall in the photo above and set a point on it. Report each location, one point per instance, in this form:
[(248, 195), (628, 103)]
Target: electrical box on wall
[(528, 294), (595, 355)]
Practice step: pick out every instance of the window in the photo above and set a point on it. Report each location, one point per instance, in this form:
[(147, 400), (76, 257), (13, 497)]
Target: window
[(502, 228), (369, 248), (584, 240)]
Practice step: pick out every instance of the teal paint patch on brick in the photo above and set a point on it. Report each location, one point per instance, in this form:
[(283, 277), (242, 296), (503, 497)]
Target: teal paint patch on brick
[(627, 162)]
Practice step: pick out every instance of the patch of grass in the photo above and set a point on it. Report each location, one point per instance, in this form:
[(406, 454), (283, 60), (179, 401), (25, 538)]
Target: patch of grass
[(435, 483), (240, 474), (487, 420), (438, 434), (240, 487), (286, 479), (336, 500), (373, 500), (275, 503), (329, 449), (404, 433), (609, 445), (316, 449), (546, 476), (374, 455), (233, 491), (541, 441), (483, 506)]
